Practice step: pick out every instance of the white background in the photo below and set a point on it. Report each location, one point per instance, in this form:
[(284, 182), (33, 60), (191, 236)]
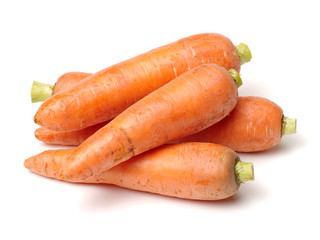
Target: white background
[(41, 40)]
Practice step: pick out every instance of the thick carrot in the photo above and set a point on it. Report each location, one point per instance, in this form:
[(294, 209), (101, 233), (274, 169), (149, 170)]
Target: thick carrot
[(41, 91), (107, 93), (201, 171), (255, 124), (186, 105)]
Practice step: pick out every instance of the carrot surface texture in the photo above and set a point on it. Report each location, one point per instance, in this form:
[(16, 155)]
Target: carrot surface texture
[(255, 124), (201, 171), (188, 104), (105, 94)]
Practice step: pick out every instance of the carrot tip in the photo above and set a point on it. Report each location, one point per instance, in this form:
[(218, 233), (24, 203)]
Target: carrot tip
[(289, 126), (236, 77), (244, 171), (40, 91), (244, 53)]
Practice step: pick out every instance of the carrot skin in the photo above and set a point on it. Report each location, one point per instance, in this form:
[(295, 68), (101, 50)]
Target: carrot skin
[(105, 94), (186, 105), (253, 125), (67, 80), (201, 171)]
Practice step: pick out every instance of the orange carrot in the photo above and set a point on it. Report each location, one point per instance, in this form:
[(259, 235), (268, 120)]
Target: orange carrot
[(255, 124), (40, 91), (186, 105), (105, 94), (201, 171)]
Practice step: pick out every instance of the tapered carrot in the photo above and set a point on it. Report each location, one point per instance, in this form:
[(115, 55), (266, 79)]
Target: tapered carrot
[(105, 94), (186, 105), (42, 91), (255, 124), (201, 171)]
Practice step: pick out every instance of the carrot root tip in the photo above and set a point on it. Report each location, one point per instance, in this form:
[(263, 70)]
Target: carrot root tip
[(40, 91), (244, 53), (236, 77), (289, 126), (244, 171)]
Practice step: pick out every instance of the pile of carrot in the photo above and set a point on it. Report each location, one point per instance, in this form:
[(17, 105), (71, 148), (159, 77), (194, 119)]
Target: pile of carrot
[(168, 121)]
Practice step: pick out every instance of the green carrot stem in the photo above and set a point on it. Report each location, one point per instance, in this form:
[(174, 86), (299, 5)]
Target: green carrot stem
[(40, 91), (244, 171), (244, 53), (236, 77), (289, 126)]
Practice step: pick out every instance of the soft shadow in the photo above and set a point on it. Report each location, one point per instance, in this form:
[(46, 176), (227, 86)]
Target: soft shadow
[(104, 196)]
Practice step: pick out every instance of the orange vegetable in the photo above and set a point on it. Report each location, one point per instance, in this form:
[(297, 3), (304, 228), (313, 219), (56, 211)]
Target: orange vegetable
[(186, 105), (255, 124), (105, 94), (200, 171)]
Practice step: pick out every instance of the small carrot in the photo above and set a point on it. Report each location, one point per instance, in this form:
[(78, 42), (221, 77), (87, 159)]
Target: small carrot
[(186, 105), (105, 94), (201, 171), (255, 124), (41, 91)]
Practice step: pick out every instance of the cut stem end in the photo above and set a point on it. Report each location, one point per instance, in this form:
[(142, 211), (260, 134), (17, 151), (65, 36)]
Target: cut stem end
[(289, 126), (40, 91), (236, 77), (244, 53), (244, 171)]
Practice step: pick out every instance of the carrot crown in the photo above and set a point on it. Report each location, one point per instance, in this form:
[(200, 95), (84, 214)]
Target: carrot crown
[(236, 77), (289, 126), (244, 171), (244, 53), (40, 91)]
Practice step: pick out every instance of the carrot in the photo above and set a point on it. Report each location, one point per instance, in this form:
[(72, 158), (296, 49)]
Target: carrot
[(186, 105), (42, 91), (255, 124), (201, 171), (105, 94)]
